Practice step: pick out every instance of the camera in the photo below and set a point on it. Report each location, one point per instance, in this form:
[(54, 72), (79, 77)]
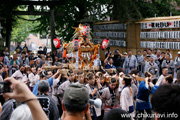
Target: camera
[(5, 87)]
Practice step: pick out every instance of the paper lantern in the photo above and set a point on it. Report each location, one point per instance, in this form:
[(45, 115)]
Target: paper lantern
[(76, 44), (56, 43), (105, 44), (86, 30)]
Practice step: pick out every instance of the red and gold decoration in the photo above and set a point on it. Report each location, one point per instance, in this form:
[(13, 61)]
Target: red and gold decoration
[(87, 51)]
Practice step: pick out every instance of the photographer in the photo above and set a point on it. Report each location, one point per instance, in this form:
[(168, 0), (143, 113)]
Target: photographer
[(21, 93), (117, 59)]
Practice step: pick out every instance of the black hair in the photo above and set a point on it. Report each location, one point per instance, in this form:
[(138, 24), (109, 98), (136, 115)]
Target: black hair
[(139, 51), (70, 72), (117, 114), (168, 50), (168, 54), (37, 68), (79, 73), (54, 71), (33, 65), (165, 100), (127, 80), (43, 74), (145, 50), (164, 68), (163, 53), (134, 72), (119, 70), (155, 49), (21, 65), (23, 52), (90, 76), (113, 80), (75, 108), (113, 73), (150, 49), (169, 78), (147, 74), (108, 48)]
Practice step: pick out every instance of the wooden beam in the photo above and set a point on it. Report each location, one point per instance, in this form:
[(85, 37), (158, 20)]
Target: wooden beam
[(36, 13), (51, 3), (30, 13), (158, 19)]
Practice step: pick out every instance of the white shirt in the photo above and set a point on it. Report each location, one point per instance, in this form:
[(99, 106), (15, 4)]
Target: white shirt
[(160, 80)]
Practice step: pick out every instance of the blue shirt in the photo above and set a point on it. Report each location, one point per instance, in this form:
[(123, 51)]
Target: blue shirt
[(35, 89), (108, 66), (143, 94), (154, 89)]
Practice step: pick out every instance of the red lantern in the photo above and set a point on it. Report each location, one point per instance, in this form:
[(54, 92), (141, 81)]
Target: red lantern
[(76, 44), (56, 43), (105, 44), (86, 30)]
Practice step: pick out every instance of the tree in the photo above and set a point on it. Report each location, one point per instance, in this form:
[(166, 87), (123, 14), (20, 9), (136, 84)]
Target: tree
[(137, 9), (73, 11), (23, 28)]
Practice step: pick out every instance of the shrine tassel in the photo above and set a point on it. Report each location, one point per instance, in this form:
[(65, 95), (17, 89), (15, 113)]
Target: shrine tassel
[(64, 53)]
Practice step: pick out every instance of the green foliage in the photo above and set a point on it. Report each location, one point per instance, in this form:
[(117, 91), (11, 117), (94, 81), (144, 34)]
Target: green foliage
[(23, 28), (136, 9), (74, 11), (124, 10), (96, 10), (158, 7)]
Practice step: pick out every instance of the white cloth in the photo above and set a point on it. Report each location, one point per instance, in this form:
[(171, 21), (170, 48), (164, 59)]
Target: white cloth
[(19, 76), (32, 79), (126, 99), (1, 79), (160, 80)]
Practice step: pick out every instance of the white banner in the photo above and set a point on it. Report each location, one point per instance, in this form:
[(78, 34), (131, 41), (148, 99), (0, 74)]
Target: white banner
[(118, 43), (151, 25), (110, 34), (110, 27), (160, 45), (160, 35)]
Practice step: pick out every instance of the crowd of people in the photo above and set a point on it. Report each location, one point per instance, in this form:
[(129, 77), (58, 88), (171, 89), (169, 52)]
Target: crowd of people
[(137, 86)]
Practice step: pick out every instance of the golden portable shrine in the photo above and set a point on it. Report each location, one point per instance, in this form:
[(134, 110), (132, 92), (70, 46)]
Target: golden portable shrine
[(79, 50)]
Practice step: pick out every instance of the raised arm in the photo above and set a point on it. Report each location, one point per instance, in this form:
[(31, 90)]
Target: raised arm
[(21, 93)]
